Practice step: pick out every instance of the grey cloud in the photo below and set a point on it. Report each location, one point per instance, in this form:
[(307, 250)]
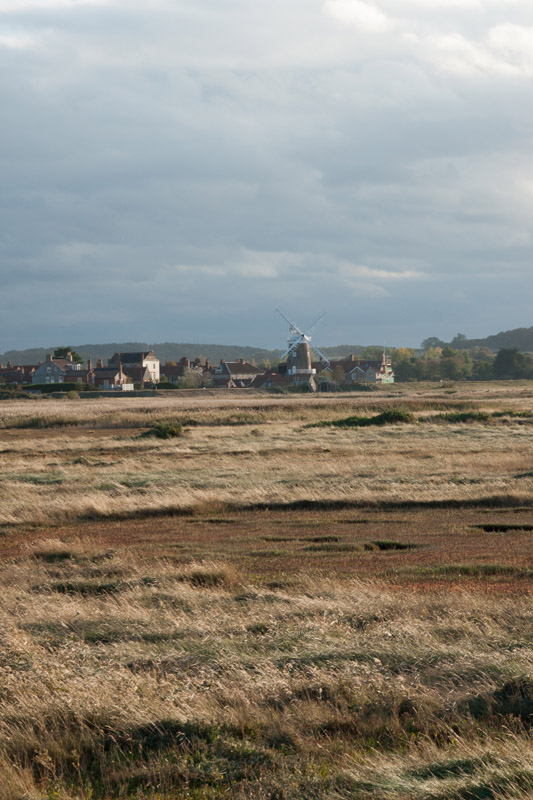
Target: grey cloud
[(180, 171)]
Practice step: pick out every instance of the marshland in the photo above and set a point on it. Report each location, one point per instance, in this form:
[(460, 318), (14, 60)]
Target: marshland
[(226, 594)]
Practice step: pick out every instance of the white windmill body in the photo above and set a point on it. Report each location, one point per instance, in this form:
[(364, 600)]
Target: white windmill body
[(299, 364)]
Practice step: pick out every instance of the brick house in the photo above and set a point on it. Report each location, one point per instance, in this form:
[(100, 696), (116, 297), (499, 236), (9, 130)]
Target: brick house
[(111, 378), (185, 367), (80, 374), (235, 374), (15, 375), (361, 369)]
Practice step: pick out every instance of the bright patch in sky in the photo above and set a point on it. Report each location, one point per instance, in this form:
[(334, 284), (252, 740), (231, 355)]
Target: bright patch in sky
[(363, 16)]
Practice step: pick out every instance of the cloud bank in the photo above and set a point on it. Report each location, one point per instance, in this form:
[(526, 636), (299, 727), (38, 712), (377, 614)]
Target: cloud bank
[(174, 170)]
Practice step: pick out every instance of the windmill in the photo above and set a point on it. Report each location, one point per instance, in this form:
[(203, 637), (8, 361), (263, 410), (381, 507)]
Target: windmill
[(298, 353)]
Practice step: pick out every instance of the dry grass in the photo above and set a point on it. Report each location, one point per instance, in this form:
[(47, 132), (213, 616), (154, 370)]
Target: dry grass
[(125, 675), (241, 649), (59, 474)]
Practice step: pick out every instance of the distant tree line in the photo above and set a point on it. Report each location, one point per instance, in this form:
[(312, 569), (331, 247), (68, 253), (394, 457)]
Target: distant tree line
[(451, 363)]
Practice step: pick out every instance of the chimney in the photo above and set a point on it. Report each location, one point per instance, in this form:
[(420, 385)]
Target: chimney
[(69, 356), (206, 364), (49, 357), (99, 364), (352, 357), (120, 373), (222, 361), (89, 364)]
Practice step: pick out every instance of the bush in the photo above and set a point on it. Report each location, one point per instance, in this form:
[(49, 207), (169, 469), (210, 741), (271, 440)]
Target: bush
[(165, 430), (46, 388), (13, 394)]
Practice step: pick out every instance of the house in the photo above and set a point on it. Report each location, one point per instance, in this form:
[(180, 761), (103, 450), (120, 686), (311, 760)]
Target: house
[(373, 371), (14, 375), (50, 371), (272, 379), (355, 370), (60, 370), (111, 378), (184, 368), (234, 374), (139, 375), (80, 374), (145, 360)]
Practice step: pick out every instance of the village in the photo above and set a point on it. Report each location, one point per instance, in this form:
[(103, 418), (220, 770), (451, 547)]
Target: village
[(130, 371)]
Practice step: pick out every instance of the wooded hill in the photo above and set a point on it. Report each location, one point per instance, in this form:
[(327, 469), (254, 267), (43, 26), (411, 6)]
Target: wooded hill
[(519, 338), (169, 351)]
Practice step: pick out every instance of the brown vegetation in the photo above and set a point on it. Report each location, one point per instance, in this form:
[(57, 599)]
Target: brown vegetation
[(259, 610)]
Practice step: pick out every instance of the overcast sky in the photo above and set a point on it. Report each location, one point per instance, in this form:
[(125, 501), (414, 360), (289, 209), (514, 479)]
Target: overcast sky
[(173, 170)]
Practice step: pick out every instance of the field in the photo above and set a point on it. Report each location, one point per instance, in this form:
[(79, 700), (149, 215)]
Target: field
[(268, 605)]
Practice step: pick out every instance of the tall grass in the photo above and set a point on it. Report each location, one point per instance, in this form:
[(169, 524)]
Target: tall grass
[(187, 680)]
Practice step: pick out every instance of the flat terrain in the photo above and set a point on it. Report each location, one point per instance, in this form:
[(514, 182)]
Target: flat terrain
[(260, 608)]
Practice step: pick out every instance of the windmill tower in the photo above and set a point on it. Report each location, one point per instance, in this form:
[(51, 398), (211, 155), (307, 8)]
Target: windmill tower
[(299, 366)]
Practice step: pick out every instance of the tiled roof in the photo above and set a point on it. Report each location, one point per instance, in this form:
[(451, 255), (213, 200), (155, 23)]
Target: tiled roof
[(127, 358), (242, 368), (105, 372), (137, 374)]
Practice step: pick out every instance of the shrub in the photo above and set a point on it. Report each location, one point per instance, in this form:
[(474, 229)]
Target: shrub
[(46, 388), (13, 394), (165, 430)]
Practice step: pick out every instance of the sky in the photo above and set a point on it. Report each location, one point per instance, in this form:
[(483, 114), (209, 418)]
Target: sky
[(174, 170)]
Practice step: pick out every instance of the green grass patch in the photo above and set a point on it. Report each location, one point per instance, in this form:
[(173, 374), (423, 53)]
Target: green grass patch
[(388, 544), (513, 414), (39, 479), (480, 570), (393, 416), (462, 416), (504, 527), (320, 539), (54, 556), (332, 547)]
